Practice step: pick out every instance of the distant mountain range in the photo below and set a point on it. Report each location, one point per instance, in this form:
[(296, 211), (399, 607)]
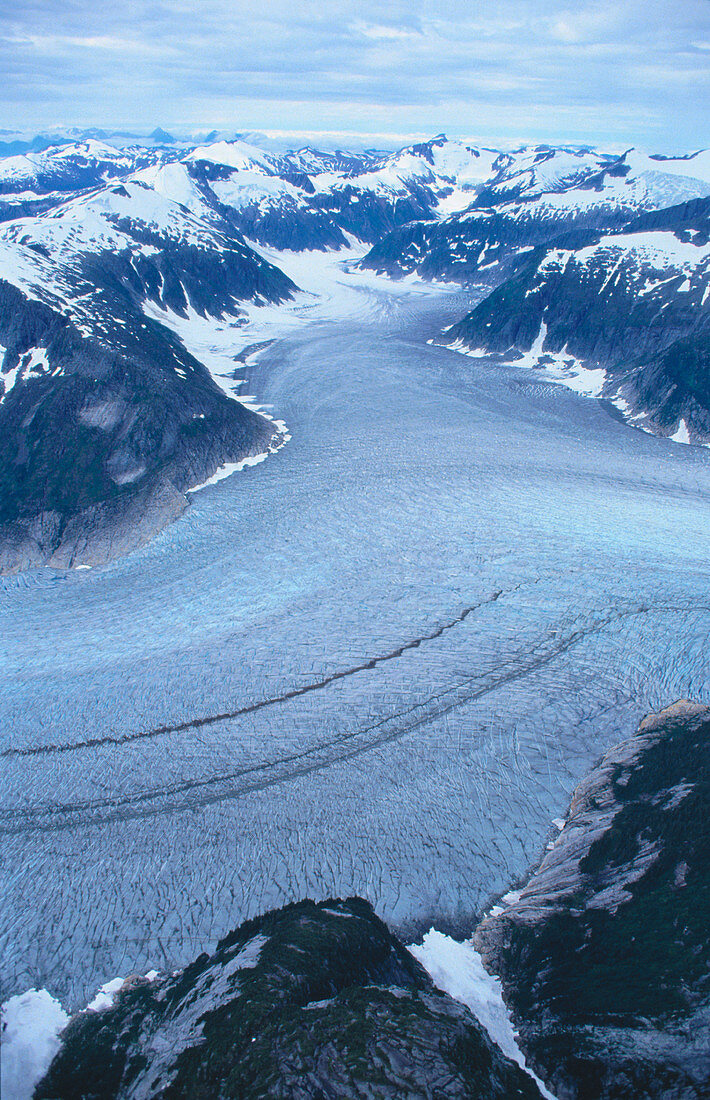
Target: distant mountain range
[(598, 267)]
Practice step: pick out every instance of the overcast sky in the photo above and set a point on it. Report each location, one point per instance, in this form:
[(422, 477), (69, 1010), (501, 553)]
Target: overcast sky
[(614, 74)]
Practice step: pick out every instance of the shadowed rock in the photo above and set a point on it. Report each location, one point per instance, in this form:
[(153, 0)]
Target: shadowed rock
[(307, 1001), (605, 959)]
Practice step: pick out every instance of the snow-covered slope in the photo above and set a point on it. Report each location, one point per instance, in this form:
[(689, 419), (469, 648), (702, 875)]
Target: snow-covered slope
[(627, 317), (32, 182), (305, 199), (105, 419), (153, 237), (419, 181), (537, 196), (634, 178), (70, 167)]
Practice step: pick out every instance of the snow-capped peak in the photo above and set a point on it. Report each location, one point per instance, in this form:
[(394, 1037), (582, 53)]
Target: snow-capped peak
[(234, 154)]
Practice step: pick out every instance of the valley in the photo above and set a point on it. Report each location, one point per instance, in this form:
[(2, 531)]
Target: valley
[(352, 507), (461, 630)]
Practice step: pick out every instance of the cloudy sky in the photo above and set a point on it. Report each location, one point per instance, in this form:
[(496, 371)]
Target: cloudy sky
[(610, 73)]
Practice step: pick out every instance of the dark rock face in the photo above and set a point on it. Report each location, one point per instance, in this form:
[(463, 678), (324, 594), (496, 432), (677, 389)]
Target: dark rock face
[(97, 445), (605, 957), (480, 245), (289, 226), (310, 1001), (676, 385), (284, 219), (369, 215)]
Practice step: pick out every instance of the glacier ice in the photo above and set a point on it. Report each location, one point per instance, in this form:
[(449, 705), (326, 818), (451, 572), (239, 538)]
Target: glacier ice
[(377, 664)]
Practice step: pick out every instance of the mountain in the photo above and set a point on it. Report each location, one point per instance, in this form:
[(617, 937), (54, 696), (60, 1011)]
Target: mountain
[(632, 307), (36, 181), (401, 187), (309, 1001), (305, 199), (161, 137), (105, 419), (604, 956), (266, 197), (597, 266), (314, 200), (534, 197)]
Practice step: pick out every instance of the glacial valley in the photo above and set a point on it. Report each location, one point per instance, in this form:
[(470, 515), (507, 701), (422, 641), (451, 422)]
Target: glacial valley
[(379, 661)]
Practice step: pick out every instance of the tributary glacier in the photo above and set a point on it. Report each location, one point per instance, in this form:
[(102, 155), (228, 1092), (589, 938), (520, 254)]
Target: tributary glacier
[(377, 663)]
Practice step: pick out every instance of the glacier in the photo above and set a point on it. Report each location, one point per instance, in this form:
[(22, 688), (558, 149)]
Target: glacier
[(377, 663)]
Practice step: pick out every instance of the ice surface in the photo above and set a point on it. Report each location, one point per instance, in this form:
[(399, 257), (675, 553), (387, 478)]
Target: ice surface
[(404, 640)]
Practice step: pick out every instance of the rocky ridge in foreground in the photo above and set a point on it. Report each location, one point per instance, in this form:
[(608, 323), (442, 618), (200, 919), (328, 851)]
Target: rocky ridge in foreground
[(310, 1001), (604, 957)]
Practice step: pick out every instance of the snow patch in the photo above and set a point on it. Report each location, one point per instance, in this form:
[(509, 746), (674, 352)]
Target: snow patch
[(458, 969), (658, 248), (532, 357), (106, 995), (681, 434), (230, 468), (31, 1025)]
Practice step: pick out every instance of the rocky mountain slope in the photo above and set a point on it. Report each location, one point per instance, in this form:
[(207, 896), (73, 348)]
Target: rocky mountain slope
[(604, 956), (632, 306), (598, 267), (308, 1001), (105, 419), (539, 196)]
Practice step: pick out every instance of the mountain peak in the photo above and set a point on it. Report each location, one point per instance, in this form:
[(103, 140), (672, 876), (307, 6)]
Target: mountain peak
[(162, 136)]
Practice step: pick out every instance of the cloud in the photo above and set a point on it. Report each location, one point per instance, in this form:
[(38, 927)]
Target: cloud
[(378, 31), (63, 44), (586, 23), (591, 71)]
